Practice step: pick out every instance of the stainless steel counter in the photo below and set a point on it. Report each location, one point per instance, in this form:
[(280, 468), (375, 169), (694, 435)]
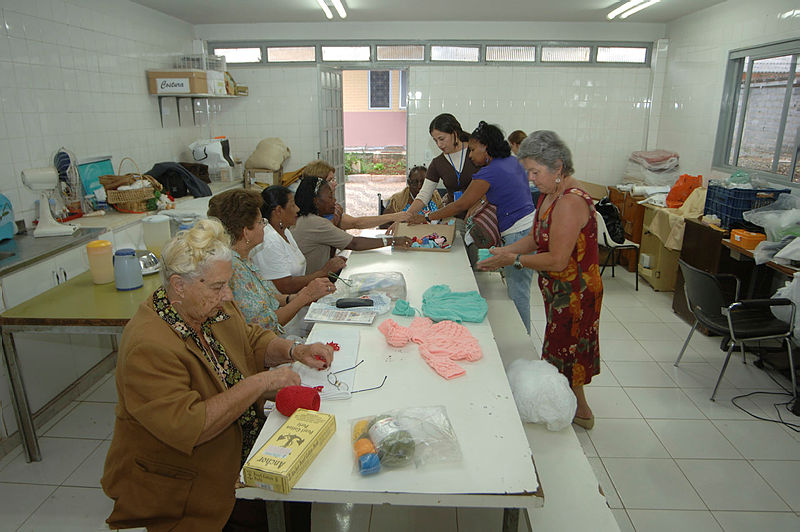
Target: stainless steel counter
[(25, 250)]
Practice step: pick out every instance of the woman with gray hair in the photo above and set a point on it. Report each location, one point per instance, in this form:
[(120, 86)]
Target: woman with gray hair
[(192, 377), (562, 247)]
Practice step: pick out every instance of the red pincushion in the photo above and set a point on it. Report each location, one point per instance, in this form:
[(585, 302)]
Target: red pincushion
[(291, 398)]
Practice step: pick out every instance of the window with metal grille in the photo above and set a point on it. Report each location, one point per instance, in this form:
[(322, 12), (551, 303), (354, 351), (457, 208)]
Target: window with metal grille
[(400, 52), (403, 89), (511, 53), (380, 89), (240, 55), (621, 54), (566, 54), (468, 54), (759, 127), (291, 54), (345, 53)]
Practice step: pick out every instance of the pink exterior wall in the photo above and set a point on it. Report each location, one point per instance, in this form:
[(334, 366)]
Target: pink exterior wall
[(371, 128)]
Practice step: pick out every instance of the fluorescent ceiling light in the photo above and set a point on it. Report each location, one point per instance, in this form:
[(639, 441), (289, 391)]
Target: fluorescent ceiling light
[(638, 8), (624, 7), (339, 8), (325, 8)]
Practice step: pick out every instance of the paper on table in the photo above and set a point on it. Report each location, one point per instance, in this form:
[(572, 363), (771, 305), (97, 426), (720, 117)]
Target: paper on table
[(319, 312), (343, 359)]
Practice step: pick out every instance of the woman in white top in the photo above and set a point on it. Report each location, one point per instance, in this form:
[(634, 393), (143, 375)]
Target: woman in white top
[(278, 258)]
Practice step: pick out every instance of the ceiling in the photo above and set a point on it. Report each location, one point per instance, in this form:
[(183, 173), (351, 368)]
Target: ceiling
[(261, 11)]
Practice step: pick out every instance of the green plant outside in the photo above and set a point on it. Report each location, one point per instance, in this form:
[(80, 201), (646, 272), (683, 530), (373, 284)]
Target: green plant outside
[(362, 163)]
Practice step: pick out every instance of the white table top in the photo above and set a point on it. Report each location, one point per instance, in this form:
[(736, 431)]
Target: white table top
[(497, 469)]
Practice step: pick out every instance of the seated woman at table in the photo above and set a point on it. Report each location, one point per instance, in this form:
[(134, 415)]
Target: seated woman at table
[(502, 180), (401, 201), (191, 379), (278, 258), (562, 247), (317, 237), (340, 219), (239, 210)]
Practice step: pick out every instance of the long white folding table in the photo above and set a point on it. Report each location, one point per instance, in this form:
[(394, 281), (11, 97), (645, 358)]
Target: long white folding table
[(497, 470)]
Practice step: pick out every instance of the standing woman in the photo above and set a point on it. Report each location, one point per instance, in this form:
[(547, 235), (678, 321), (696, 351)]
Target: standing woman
[(502, 180), (563, 248), (453, 166), (278, 257)]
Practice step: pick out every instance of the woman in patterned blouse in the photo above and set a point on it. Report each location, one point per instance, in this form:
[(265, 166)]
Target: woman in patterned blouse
[(262, 304)]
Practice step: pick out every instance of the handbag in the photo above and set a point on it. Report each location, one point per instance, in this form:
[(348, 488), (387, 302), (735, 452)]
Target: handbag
[(612, 218), (482, 226)]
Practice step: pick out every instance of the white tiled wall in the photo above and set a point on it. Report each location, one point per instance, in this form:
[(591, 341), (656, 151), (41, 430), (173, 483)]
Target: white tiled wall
[(699, 46), (282, 103), (72, 74), (601, 113)]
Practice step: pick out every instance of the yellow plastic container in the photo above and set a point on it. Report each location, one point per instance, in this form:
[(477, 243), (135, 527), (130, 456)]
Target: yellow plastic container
[(746, 239), (100, 262)]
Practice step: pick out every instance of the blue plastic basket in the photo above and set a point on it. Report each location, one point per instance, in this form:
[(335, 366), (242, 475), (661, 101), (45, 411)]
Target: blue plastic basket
[(730, 203)]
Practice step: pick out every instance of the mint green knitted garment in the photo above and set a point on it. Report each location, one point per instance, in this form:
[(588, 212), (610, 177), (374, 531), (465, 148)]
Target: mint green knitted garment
[(440, 303), (403, 308)]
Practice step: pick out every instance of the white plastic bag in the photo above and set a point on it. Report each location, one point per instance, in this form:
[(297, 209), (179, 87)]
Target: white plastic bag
[(209, 152), (542, 394), (779, 219), (791, 291)]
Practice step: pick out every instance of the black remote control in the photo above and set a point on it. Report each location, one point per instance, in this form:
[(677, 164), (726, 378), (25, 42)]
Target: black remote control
[(349, 302)]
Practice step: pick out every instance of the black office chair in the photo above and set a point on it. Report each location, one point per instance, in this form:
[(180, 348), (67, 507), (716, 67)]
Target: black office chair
[(738, 321)]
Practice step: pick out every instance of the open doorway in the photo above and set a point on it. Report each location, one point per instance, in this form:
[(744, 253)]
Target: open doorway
[(375, 138)]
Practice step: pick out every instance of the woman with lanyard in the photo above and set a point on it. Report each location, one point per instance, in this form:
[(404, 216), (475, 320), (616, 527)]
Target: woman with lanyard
[(453, 166), (504, 183)]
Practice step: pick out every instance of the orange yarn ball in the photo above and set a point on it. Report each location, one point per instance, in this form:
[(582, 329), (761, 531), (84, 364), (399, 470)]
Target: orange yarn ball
[(363, 446)]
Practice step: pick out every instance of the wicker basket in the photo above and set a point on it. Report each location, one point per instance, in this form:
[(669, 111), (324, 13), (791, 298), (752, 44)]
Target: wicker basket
[(137, 200)]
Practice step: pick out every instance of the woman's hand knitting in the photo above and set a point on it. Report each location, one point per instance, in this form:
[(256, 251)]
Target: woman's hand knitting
[(317, 288), (277, 378), (317, 355)]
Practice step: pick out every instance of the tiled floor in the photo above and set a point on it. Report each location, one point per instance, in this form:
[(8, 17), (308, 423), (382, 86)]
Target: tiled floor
[(666, 457)]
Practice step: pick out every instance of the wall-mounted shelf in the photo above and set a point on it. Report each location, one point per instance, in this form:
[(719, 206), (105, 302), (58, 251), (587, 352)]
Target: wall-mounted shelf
[(194, 97)]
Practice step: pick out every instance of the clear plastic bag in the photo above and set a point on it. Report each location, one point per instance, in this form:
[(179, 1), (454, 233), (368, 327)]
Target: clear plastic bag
[(393, 284), (542, 394), (399, 438), (791, 291), (779, 219)]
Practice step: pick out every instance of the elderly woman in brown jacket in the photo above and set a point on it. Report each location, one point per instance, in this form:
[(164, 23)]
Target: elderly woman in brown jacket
[(191, 379)]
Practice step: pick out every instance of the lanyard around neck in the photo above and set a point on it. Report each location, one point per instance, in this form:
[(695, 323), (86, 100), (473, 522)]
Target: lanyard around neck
[(460, 165)]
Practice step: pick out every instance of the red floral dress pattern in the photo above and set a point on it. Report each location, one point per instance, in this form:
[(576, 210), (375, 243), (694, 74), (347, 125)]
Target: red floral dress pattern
[(572, 299)]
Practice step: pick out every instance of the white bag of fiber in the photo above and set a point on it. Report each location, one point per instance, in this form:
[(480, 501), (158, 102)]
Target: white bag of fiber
[(542, 394)]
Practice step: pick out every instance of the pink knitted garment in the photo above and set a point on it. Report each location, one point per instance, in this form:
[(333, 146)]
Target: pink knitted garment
[(439, 343)]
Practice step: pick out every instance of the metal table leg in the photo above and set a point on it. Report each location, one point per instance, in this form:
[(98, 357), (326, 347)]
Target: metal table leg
[(22, 408)]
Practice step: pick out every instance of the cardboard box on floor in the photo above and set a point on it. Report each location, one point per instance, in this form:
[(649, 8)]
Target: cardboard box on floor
[(595, 190), (421, 230)]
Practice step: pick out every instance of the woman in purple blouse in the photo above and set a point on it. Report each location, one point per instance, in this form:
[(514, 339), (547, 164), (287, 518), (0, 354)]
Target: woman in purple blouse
[(503, 181)]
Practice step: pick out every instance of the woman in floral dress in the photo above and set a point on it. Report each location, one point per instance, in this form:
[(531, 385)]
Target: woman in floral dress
[(260, 302), (562, 246)]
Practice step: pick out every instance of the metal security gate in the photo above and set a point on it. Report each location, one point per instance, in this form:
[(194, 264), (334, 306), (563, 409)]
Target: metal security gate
[(331, 125)]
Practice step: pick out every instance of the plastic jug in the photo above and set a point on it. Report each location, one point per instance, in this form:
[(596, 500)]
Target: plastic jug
[(127, 270), (157, 232), (100, 261)]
